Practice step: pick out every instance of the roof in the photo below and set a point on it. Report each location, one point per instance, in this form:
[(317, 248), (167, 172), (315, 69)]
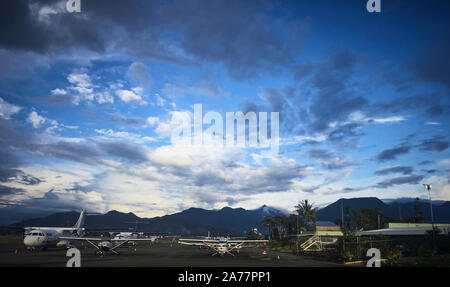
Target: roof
[(404, 231), (325, 223), (333, 233), (404, 225)]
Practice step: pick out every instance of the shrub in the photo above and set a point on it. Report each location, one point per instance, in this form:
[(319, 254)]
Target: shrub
[(425, 252), (348, 255), (393, 257)]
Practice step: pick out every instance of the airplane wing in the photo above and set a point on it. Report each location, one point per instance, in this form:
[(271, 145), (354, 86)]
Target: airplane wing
[(82, 238), (122, 240), (247, 241), (192, 243), (87, 239), (198, 240), (53, 228), (101, 239), (133, 239)]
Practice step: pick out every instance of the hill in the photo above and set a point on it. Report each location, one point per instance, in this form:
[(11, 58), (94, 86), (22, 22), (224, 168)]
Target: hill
[(393, 208), (193, 221)]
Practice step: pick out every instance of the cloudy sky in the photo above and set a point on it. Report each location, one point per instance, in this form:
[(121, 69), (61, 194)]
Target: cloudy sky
[(88, 102)]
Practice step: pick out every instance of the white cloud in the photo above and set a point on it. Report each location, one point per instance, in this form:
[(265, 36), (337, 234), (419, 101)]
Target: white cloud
[(80, 79), (7, 110), (440, 187), (151, 121), (35, 119), (104, 97), (389, 120), (358, 116), (160, 102), (84, 89), (125, 136), (45, 12), (59, 92), (82, 86), (445, 162), (130, 96), (176, 120), (301, 139), (63, 185)]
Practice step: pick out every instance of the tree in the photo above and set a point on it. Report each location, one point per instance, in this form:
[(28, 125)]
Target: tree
[(366, 218), (307, 212), (268, 222), (419, 216), (346, 226)]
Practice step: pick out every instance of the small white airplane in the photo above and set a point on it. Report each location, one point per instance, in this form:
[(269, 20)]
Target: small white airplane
[(220, 246), (43, 237), (131, 235), (105, 245)]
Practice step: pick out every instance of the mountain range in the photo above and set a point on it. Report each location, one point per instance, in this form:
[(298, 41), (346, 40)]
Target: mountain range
[(401, 208), (192, 221), (235, 221)]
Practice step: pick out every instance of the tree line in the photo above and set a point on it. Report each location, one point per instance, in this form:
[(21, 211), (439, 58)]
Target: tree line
[(304, 219)]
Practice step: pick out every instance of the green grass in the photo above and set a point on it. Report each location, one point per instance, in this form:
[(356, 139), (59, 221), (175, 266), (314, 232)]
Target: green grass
[(11, 238)]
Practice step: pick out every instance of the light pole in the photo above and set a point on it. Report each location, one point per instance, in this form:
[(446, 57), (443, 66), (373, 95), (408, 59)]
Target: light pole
[(297, 234), (428, 187)]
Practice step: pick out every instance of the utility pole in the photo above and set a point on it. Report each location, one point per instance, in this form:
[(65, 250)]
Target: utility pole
[(297, 233), (428, 187), (342, 223)]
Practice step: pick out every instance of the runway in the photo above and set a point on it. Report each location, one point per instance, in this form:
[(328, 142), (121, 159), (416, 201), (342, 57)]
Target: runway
[(161, 254)]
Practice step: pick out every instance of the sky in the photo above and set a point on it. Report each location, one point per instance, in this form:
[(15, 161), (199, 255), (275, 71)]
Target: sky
[(89, 101)]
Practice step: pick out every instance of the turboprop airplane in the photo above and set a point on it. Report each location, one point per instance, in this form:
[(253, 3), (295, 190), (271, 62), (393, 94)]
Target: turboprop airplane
[(43, 237), (220, 246), (107, 245)]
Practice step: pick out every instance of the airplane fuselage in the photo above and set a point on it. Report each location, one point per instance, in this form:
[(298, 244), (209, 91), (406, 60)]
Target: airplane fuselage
[(42, 238)]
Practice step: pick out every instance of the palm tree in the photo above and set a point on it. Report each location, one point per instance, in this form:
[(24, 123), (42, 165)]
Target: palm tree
[(306, 209)]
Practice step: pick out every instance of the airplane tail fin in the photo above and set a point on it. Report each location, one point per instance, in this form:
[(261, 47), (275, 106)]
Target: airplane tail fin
[(80, 222)]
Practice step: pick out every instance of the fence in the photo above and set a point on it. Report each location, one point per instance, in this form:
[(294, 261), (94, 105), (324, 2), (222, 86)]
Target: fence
[(408, 245)]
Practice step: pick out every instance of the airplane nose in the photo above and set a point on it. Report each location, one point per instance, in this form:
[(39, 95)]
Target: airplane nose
[(28, 241)]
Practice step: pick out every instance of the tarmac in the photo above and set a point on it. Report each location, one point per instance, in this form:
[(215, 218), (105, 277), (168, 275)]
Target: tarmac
[(163, 254)]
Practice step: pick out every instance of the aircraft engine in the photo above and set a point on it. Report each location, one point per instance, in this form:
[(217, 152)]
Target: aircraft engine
[(62, 243)]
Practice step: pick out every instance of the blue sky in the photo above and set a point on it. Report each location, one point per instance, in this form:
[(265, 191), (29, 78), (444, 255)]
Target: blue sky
[(88, 102)]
